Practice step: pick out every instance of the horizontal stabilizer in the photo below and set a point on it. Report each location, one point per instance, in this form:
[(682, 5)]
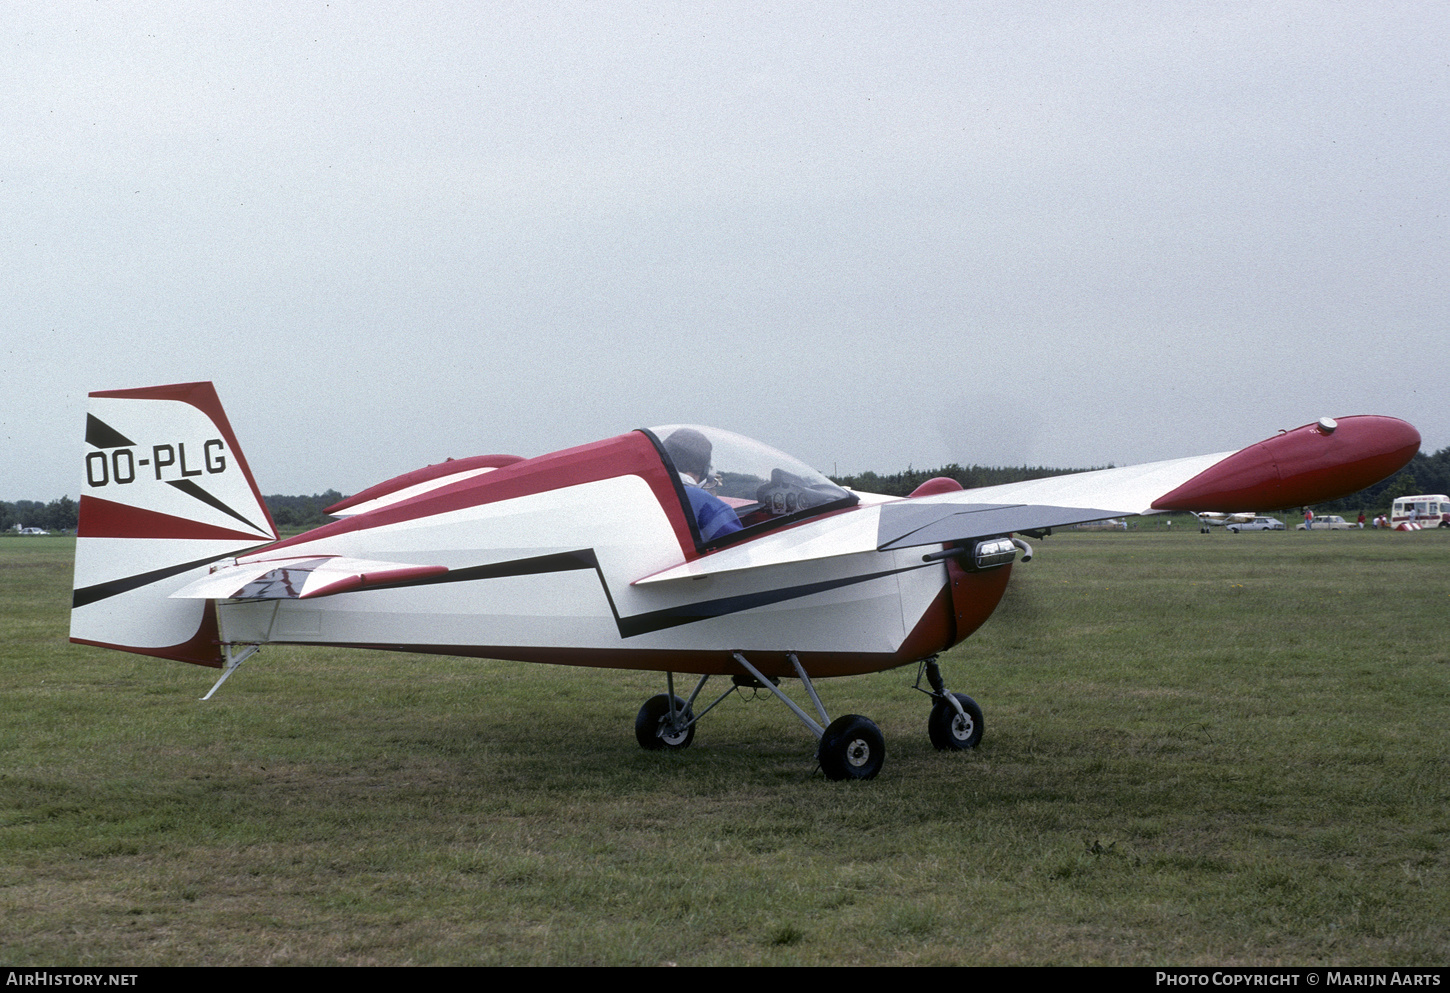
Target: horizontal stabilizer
[(301, 578)]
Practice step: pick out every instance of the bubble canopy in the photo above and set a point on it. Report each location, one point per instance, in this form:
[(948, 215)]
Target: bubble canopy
[(763, 486)]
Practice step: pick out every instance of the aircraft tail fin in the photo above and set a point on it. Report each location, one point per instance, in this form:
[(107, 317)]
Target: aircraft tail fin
[(166, 493)]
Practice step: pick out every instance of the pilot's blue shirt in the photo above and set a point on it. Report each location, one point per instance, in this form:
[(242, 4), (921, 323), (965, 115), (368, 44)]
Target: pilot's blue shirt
[(713, 515)]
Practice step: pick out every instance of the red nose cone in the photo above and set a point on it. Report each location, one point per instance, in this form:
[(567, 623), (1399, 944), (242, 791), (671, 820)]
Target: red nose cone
[(1304, 466)]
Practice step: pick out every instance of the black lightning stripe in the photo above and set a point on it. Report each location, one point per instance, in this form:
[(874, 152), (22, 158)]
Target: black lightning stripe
[(102, 435), (654, 620), (101, 591), (192, 490), (658, 620)]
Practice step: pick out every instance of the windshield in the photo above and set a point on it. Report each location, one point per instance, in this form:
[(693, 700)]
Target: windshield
[(762, 487)]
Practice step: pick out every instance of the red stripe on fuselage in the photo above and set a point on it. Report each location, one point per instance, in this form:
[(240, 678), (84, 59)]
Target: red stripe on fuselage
[(106, 519), (626, 455), (427, 473), (818, 665)]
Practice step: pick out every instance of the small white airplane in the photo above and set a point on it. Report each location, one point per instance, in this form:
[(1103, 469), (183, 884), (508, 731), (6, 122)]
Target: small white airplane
[(1209, 519), (677, 549)]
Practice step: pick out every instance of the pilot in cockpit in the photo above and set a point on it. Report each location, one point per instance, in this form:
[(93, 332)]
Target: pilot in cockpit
[(690, 452)]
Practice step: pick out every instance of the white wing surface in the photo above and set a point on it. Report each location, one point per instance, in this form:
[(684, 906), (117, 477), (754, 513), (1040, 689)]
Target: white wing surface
[(1311, 464)]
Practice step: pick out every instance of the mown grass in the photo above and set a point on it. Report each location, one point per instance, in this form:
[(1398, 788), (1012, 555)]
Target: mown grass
[(1199, 749)]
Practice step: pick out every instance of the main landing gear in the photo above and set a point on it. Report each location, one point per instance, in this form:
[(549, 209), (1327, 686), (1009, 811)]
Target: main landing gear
[(665, 721), (850, 747)]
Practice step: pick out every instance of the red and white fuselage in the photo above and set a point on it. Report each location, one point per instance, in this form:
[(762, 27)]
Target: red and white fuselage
[(594, 556)]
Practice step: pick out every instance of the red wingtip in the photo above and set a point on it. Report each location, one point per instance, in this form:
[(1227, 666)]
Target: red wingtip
[(1305, 466)]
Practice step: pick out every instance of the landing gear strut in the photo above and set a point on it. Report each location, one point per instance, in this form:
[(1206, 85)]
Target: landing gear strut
[(956, 720), (851, 747), (666, 721)]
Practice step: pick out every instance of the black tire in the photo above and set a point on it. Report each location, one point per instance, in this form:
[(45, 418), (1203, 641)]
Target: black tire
[(649, 726), (851, 748), (949, 731)]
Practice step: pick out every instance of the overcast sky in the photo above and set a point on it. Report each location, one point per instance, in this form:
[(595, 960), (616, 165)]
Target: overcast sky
[(871, 235)]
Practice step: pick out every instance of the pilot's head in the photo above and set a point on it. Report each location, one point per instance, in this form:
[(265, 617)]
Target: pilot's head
[(690, 451)]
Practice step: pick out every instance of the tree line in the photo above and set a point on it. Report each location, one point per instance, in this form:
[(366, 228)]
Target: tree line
[(1424, 474), (301, 511), (63, 514), (902, 483), (58, 515)]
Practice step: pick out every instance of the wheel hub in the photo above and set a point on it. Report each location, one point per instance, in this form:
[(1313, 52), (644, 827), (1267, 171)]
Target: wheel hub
[(671, 736), (858, 752)]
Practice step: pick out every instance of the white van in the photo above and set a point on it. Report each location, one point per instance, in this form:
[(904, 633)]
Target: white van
[(1429, 510)]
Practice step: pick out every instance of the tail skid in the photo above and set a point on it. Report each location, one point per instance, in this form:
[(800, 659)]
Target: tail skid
[(167, 493), (233, 660)]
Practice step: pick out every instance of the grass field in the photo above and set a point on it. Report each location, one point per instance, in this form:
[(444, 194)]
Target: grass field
[(1200, 749)]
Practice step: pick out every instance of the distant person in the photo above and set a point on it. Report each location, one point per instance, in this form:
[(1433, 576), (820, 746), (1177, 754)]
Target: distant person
[(1308, 519), (1361, 520), (690, 452)]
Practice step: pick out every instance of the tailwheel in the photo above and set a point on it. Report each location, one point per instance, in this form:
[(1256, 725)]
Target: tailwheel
[(954, 730), (661, 726), (851, 748)]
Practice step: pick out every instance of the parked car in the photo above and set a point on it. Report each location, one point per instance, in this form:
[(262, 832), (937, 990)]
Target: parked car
[(1116, 524), (1258, 524), (1327, 524)]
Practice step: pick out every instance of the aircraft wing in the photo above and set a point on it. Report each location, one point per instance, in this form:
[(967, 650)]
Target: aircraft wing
[(1317, 462), (300, 578), (1037, 504)]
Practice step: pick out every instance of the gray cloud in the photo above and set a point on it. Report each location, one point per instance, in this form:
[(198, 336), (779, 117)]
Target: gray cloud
[(996, 233)]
